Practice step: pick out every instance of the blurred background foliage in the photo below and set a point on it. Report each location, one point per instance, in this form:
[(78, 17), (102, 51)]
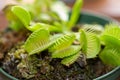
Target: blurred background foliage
[(107, 7)]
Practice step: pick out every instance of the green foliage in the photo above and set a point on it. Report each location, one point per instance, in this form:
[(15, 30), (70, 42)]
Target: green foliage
[(75, 13), (111, 37), (15, 23), (37, 41), (93, 28), (62, 42), (90, 44), (71, 59), (112, 30), (52, 31), (66, 52), (51, 28), (110, 40), (60, 16), (22, 14), (110, 56), (83, 40)]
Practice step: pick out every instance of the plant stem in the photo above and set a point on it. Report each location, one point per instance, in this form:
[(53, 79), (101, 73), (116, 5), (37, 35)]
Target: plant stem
[(75, 13)]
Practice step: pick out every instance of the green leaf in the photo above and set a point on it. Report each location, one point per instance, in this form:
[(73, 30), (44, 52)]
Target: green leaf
[(111, 35), (112, 30), (110, 40), (22, 14), (37, 26), (70, 60), (54, 37), (90, 44), (110, 56), (62, 42), (75, 13), (93, 28), (66, 52), (83, 40), (15, 23), (37, 41)]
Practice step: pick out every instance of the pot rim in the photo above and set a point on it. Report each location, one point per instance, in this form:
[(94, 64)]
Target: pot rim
[(100, 15), (115, 71)]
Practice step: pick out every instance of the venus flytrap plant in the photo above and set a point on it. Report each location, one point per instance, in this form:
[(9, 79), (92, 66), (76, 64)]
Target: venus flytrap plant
[(110, 56), (90, 44), (111, 35), (12, 19), (51, 28), (61, 44), (37, 41), (24, 16), (41, 39), (111, 38), (69, 51), (57, 39), (62, 48), (94, 28), (70, 59)]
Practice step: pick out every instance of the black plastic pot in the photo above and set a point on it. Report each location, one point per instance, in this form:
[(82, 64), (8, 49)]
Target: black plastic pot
[(90, 18)]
